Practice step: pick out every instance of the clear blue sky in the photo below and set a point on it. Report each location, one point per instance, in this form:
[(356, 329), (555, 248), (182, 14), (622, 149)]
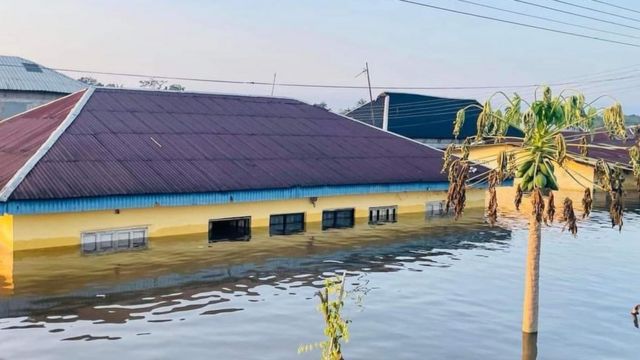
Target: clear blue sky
[(321, 41)]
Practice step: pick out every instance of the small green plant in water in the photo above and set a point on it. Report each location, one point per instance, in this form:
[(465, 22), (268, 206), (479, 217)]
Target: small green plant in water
[(336, 328)]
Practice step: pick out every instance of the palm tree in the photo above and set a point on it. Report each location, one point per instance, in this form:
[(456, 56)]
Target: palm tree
[(533, 162)]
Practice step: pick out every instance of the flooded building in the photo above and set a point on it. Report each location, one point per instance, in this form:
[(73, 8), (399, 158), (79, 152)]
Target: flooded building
[(25, 85), (111, 169), (428, 119), (579, 169)]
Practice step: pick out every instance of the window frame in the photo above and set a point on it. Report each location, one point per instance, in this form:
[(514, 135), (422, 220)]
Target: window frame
[(246, 237), (99, 247), (303, 226), (391, 215), (435, 208), (335, 212)]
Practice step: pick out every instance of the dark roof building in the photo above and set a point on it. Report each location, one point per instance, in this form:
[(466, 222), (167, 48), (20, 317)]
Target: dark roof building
[(109, 169), (428, 119), (108, 142), (25, 84)]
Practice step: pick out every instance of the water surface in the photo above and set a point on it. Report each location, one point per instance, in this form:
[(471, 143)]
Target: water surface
[(420, 289)]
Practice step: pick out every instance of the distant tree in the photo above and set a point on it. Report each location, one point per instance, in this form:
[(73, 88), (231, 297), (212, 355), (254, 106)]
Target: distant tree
[(176, 87), (350, 109), (94, 82), (152, 84), (323, 105), (90, 81), (160, 85)]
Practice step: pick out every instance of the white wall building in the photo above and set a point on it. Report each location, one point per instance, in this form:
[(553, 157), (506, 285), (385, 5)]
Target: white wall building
[(25, 85)]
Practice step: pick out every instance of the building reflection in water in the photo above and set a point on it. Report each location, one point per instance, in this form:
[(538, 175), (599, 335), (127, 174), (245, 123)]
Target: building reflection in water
[(185, 274), (6, 268)]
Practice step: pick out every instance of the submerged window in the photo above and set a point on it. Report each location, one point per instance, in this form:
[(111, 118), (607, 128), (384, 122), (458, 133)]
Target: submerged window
[(285, 224), (230, 229), (435, 208), (383, 214), (113, 240), (342, 218)]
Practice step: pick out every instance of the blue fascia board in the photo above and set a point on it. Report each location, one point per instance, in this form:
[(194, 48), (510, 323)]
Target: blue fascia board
[(18, 207)]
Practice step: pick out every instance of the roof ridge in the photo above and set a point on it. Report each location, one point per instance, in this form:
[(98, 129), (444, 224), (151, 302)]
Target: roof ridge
[(19, 176), (195, 92)]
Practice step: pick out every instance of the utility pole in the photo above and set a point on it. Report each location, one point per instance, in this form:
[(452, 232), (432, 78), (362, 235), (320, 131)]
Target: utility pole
[(366, 70), (373, 121), (273, 85)]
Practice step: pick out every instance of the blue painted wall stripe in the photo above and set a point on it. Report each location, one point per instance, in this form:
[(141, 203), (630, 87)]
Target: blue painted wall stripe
[(18, 207)]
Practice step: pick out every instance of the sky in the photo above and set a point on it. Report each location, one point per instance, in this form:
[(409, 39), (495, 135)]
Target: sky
[(328, 42)]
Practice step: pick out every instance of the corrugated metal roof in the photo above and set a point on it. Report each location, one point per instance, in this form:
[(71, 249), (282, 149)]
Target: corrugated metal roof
[(127, 142), (22, 135), (601, 138), (18, 74), (421, 116)]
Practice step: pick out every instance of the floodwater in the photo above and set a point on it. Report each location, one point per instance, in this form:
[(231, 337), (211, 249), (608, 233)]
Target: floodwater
[(423, 288)]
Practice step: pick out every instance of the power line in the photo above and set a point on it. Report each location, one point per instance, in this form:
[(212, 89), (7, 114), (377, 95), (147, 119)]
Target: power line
[(595, 10), (549, 19), (302, 85), (328, 86), (576, 14), (617, 71), (616, 6), (428, 110), (334, 86), (520, 24), (308, 85)]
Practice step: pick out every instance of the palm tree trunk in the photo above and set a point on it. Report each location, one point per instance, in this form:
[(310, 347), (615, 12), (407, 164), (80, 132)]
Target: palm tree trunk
[(531, 279)]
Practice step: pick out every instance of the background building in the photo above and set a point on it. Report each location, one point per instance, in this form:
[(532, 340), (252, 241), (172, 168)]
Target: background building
[(578, 170), (428, 119), (25, 85)]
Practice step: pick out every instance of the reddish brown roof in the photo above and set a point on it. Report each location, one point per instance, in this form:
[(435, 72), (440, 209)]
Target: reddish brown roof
[(126, 142), (601, 138), (22, 135)]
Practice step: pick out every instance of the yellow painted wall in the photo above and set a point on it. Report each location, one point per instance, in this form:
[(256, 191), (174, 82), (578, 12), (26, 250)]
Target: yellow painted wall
[(579, 175), (56, 230), (59, 271), (6, 253), (6, 229)]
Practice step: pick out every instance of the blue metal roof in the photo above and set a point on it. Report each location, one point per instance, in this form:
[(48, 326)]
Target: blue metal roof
[(421, 116), (18, 74)]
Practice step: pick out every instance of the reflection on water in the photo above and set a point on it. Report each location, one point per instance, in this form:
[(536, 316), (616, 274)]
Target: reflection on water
[(529, 346), (183, 275), (423, 288)]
